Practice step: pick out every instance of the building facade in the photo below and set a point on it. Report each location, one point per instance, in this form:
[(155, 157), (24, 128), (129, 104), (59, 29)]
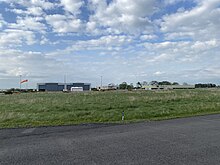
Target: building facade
[(62, 86)]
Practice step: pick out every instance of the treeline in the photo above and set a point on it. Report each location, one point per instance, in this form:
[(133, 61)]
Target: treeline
[(16, 90), (124, 85), (209, 85), (139, 85)]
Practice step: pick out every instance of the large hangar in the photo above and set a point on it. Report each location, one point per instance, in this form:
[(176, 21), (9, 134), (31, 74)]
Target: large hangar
[(62, 86)]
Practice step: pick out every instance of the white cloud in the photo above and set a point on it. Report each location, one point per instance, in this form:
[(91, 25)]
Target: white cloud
[(64, 24), (44, 40), (72, 6), (106, 43), (36, 11), (29, 23), (202, 74), (197, 22), (44, 4), (92, 28), (179, 35), (162, 58), (148, 37), (182, 51), (2, 21), (14, 38), (172, 2), (158, 73), (123, 16), (28, 64), (201, 46)]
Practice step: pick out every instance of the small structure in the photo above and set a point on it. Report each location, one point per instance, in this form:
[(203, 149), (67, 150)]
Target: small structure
[(107, 88), (150, 87), (76, 89)]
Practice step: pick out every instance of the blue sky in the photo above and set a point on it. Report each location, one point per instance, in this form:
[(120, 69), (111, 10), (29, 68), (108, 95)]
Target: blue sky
[(122, 40)]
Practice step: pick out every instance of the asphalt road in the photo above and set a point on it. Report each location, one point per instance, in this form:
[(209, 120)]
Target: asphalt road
[(190, 141)]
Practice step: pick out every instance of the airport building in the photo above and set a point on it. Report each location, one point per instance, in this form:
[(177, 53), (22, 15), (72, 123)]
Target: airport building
[(63, 86)]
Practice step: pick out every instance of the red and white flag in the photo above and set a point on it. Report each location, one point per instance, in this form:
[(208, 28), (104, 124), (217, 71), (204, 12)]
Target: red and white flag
[(23, 81)]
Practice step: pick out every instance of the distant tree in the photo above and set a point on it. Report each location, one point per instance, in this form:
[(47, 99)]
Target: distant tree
[(153, 83), (123, 85), (144, 83), (94, 89), (130, 87), (175, 83), (185, 83), (164, 83), (139, 85), (12, 89), (8, 92), (209, 85)]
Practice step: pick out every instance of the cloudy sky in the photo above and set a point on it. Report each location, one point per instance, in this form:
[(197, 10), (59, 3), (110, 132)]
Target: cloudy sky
[(122, 40)]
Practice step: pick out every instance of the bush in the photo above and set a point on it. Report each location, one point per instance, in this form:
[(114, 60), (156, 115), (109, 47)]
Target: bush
[(8, 92)]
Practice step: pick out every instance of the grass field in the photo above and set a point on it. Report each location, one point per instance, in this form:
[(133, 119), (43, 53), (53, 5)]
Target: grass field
[(46, 109)]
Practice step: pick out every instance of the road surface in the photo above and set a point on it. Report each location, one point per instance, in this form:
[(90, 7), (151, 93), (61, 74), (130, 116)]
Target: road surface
[(192, 141)]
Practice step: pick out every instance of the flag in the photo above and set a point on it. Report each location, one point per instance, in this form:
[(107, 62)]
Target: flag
[(23, 81)]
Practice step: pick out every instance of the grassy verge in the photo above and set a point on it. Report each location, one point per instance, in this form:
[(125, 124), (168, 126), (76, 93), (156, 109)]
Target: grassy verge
[(46, 109)]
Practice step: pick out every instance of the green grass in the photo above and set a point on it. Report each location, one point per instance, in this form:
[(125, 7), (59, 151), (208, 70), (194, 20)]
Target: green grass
[(46, 109)]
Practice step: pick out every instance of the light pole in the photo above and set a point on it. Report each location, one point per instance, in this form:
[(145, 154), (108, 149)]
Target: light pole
[(65, 86), (20, 81), (101, 82)]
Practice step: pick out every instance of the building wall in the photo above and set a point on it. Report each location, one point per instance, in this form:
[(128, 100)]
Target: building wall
[(61, 86), (51, 87), (41, 87), (86, 87)]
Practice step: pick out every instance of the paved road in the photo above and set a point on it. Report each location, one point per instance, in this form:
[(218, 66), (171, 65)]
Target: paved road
[(181, 141)]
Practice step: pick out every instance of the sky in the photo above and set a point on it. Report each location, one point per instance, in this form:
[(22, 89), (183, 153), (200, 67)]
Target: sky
[(120, 40)]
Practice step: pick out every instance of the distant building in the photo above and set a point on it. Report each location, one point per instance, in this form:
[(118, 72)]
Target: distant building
[(109, 87), (63, 86)]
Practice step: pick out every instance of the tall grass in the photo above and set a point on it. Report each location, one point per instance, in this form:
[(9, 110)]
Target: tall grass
[(44, 109)]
